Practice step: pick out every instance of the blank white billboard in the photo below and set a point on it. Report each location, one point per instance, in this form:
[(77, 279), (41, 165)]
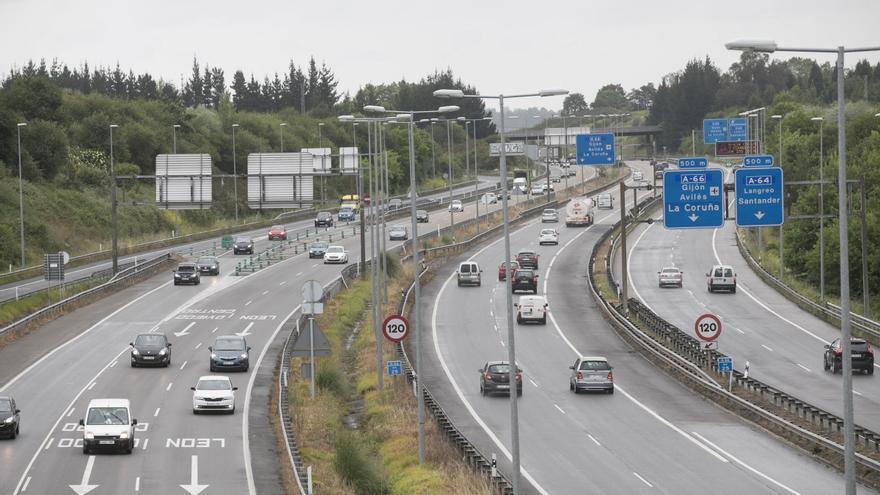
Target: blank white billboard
[(323, 161), (349, 160), (274, 180), (183, 181)]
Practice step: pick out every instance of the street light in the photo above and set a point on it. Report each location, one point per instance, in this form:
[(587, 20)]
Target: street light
[(234, 173), (779, 118), (20, 192), (624, 297), (281, 127), (320, 143), (113, 204), (821, 122), (511, 350), (466, 151), (174, 138), (410, 118), (849, 456)]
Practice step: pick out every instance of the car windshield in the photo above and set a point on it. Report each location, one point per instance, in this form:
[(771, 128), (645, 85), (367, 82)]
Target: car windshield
[(335, 249), (422, 213), (670, 270), (243, 239), (228, 345), (524, 274), (277, 227), (549, 212), (324, 214), (149, 340), (214, 385), (107, 416), (499, 368), (207, 260), (548, 232), (319, 245), (345, 209), (398, 228), (186, 268), (5, 405), (595, 365)]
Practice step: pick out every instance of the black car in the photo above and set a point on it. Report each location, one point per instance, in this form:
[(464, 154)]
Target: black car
[(150, 349), (10, 417), (527, 259), (862, 356), (495, 377), (317, 249), (524, 279), (421, 216), (324, 219), (187, 273), (209, 265), (230, 352), (243, 245)]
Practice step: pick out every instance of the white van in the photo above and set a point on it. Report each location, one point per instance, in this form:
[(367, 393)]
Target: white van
[(605, 201), (108, 425), (531, 308), (469, 273)]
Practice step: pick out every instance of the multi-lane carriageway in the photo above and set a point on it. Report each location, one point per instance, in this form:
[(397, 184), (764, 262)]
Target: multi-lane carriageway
[(651, 436), (53, 373)]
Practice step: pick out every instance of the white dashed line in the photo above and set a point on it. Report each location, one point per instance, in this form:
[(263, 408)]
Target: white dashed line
[(738, 330), (157, 412), (557, 407), (26, 483), (146, 441), (857, 392), (169, 386), (594, 440), (248, 303), (533, 383), (215, 329), (765, 347), (49, 443), (741, 463), (643, 479), (804, 367), (265, 292), (198, 345), (183, 365), (283, 282), (299, 273), (137, 484), (69, 413), (114, 363), (92, 385), (315, 265)]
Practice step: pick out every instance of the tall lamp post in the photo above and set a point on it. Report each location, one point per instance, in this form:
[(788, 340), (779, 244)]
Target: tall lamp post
[(234, 173), (778, 119), (320, 143), (821, 122), (476, 170), (281, 127), (174, 129), (849, 457), (410, 117), (511, 349), (20, 192), (113, 204)]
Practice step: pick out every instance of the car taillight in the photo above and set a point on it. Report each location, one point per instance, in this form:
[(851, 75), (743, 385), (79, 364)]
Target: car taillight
[(580, 376), (869, 349), (518, 377), (610, 377), (489, 376), (838, 351)]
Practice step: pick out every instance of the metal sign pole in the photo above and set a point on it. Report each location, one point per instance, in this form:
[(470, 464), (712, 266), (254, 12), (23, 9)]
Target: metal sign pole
[(312, 352)]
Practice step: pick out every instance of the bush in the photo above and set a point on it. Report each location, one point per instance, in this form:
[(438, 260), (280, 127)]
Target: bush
[(331, 380), (357, 466)]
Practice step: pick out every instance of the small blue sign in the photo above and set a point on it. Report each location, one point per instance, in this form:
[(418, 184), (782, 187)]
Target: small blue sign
[(395, 368), (714, 130), (725, 364), (757, 161), (737, 130), (759, 197), (693, 199), (595, 149), (693, 162)]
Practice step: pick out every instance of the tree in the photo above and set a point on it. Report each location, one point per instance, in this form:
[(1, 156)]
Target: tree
[(610, 97), (575, 103), (642, 97), (239, 89), (327, 86), (312, 85)]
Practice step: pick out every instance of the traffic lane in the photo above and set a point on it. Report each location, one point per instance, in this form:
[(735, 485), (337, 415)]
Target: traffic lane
[(781, 354), (678, 406)]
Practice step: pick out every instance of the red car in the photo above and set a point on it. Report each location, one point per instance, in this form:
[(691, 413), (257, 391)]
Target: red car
[(502, 273), (278, 232)]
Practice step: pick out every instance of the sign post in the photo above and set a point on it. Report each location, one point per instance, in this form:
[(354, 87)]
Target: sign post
[(395, 368), (725, 365), (312, 293), (395, 328), (693, 199)]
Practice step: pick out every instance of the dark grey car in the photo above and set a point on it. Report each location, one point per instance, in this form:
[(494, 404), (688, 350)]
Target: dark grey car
[(317, 249), (187, 273), (243, 245), (10, 417), (230, 352), (150, 349), (495, 377), (208, 264), (421, 216)]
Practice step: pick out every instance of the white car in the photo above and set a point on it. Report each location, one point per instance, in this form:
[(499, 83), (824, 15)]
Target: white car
[(398, 233), (605, 201), (670, 275), (335, 254), (489, 199), (214, 393), (108, 425), (548, 236), (538, 190), (637, 175), (531, 308), (455, 206)]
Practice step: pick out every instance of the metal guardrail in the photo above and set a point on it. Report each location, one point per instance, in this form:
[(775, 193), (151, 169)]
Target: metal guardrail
[(123, 277), (682, 354), (828, 312)]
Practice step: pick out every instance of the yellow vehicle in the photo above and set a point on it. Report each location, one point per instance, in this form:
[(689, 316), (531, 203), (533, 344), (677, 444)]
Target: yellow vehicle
[(350, 198)]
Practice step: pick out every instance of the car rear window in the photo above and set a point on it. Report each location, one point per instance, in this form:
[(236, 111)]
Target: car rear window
[(523, 274), (718, 273), (466, 268), (595, 365), (858, 345), (670, 270), (728, 272), (499, 368), (186, 268)]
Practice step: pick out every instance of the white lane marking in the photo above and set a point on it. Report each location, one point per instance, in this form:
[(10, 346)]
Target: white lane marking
[(298, 274), (643, 479), (137, 484), (113, 364), (169, 386), (738, 330), (184, 364), (248, 303), (157, 412), (69, 413), (48, 444), (265, 292), (283, 282), (93, 384), (502, 343), (26, 483), (765, 347), (198, 345), (591, 437), (146, 441), (559, 408), (533, 383), (857, 392), (215, 330), (246, 445), (804, 368), (743, 464), (313, 266)]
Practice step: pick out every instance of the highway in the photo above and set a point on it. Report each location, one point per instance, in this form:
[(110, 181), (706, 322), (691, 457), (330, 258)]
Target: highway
[(782, 343), (651, 436), (54, 371)]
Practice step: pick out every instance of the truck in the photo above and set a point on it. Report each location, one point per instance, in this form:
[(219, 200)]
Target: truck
[(579, 212), (521, 180)]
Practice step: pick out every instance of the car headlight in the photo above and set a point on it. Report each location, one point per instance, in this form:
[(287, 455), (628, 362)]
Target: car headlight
[(90, 436), (213, 266), (250, 245), (199, 397), (135, 352), (10, 419), (213, 356), (123, 435), (244, 356), (163, 352), (176, 275)]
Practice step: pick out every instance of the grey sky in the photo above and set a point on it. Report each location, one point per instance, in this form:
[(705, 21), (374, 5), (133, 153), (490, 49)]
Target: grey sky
[(498, 46)]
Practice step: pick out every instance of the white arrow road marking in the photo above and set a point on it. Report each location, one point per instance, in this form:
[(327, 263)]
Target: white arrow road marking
[(246, 331), (194, 488), (84, 487), (759, 214), (694, 217), (185, 331)]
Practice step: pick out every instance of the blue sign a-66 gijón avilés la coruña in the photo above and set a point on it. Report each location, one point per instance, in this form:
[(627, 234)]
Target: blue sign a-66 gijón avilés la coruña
[(693, 199)]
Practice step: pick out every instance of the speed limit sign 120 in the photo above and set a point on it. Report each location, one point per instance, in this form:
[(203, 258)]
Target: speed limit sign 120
[(395, 328), (707, 327)]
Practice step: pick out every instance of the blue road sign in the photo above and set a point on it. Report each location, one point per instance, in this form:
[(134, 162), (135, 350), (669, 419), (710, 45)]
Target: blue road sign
[(725, 364), (595, 149), (714, 130), (757, 161), (737, 130), (693, 162), (693, 199), (394, 368), (759, 198)]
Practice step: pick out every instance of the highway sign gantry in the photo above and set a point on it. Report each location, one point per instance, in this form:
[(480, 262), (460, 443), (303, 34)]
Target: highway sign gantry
[(715, 130), (395, 328), (759, 197), (707, 327), (693, 199), (595, 149)]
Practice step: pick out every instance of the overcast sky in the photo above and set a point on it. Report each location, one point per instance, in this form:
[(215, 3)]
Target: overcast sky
[(497, 46)]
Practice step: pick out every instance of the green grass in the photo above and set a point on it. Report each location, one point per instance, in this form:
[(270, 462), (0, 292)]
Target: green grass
[(12, 310)]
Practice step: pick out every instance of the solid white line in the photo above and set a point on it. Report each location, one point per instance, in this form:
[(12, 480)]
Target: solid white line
[(765, 347), (198, 345), (70, 412), (157, 412), (48, 444), (594, 440), (857, 392), (743, 464), (26, 483), (184, 364), (643, 479), (248, 303), (137, 484), (804, 367), (265, 292), (557, 407), (533, 383), (93, 384), (169, 386)]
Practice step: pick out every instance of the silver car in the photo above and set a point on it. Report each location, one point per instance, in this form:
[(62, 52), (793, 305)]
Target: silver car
[(549, 215), (670, 276), (398, 233), (591, 373)]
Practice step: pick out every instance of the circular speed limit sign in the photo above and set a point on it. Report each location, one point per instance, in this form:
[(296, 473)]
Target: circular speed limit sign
[(707, 327), (395, 328)]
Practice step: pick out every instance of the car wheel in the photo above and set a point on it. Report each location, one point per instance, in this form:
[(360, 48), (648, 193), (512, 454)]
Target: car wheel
[(544, 320), (479, 284), (734, 289), (175, 282), (459, 283), (519, 319), (195, 411), (825, 364), (130, 446), (14, 434), (611, 390), (871, 370), (134, 364), (85, 448), (233, 410)]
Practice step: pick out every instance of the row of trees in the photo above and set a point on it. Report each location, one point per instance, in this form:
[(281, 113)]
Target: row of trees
[(611, 98)]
